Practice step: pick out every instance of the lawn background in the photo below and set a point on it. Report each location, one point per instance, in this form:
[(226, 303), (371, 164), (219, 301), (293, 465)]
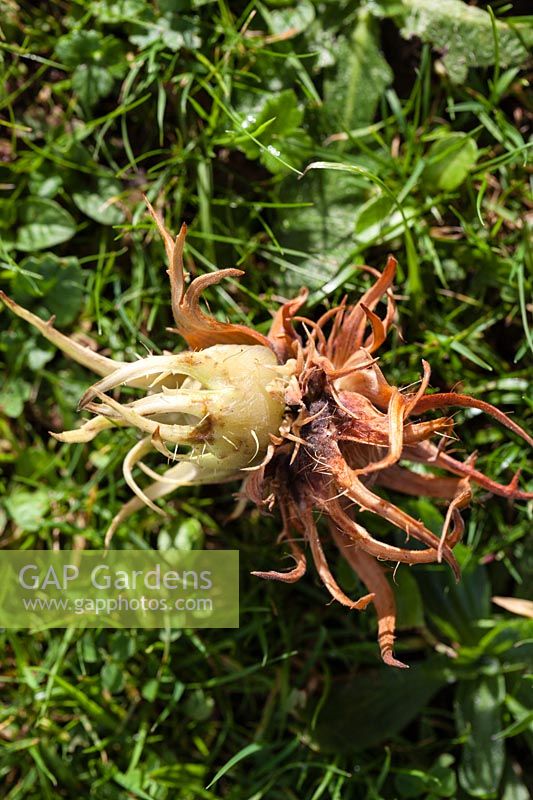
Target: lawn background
[(215, 110)]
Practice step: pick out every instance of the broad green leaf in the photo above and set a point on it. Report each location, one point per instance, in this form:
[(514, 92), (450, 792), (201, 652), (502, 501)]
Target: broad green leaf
[(43, 223), (150, 690), (37, 358), (198, 705), (352, 94), (98, 203), (278, 115), (8, 214), (323, 229), (114, 11), (92, 82), (87, 648), (478, 717), (13, 394), (414, 282), (112, 677), (464, 34), (292, 20), (27, 509), (375, 706), (91, 47), (439, 781), (513, 788), (97, 60), (164, 540), (45, 185), (78, 47), (372, 217), (379, 220), (272, 132), (122, 646), (444, 772), (60, 289), (294, 149), (171, 30), (449, 161), (190, 535)]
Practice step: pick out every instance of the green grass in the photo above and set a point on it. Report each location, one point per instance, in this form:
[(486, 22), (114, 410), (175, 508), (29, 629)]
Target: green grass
[(216, 114)]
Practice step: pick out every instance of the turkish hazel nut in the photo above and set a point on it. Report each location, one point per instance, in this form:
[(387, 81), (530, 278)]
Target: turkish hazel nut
[(304, 417)]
